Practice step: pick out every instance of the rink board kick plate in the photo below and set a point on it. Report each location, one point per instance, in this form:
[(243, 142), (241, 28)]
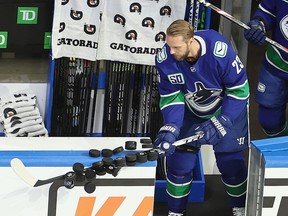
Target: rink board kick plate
[(131, 192), (268, 178)]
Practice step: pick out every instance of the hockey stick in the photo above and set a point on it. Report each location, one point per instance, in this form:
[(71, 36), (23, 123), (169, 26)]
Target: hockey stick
[(19, 168), (183, 141), (238, 22)]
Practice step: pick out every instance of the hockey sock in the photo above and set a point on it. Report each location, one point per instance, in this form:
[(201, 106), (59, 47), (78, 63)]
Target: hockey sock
[(234, 176), (179, 179)]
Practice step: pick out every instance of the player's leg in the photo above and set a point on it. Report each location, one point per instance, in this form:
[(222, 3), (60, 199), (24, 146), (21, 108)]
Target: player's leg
[(271, 95), (234, 176), (273, 120), (180, 167), (231, 162)]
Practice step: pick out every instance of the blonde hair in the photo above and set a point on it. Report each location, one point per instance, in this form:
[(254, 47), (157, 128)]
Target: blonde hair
[(180, 28)]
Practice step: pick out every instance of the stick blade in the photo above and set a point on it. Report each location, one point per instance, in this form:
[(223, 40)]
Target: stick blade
[(21, 171)]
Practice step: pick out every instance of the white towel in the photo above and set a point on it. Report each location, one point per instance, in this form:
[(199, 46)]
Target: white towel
[(32, 113), (19, 125), (132, 31), (8, 111), (25, 131), (22, 120), (75, 29)]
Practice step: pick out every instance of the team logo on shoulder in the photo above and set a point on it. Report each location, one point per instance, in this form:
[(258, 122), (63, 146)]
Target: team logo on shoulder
[(162, 55), (176, 78), (284, 26), (220, 49)]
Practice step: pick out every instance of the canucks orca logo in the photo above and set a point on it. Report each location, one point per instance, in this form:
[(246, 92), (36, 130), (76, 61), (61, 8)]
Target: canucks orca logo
[(203, 101)]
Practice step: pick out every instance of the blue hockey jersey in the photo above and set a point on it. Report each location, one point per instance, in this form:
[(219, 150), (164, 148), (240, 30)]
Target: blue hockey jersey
[(274, 13), (216, 83)]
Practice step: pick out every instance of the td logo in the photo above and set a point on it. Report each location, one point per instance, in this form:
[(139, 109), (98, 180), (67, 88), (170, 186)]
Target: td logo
[(3, 40), (27, 15)]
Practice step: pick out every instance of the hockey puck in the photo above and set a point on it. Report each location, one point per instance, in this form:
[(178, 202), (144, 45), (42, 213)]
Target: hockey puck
[(131, 163), (80, 177), (100, 171), (89, 187), (120, 161), (131, 157), (109, 169), (118, 150), (90, 174), (107, 152), (146, 141), (107, 161), (97, 164), (116, 171), (130, 145), (94, 153), (69, 180), (152, 155), (141, 157), (147, 146), (78, 167)]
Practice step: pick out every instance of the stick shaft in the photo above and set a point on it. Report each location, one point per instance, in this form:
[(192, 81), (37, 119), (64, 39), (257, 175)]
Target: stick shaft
[(243, 25)]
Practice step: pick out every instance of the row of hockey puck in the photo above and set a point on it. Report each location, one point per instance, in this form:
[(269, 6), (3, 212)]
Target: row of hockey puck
[(129, 145)]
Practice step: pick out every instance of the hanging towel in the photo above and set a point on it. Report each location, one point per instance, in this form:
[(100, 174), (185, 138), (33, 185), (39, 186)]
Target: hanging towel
[(133, 31), (75, 28)]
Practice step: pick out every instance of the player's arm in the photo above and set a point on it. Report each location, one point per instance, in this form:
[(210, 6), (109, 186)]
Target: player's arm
[(232, 76), (171, 105), (236, 85)]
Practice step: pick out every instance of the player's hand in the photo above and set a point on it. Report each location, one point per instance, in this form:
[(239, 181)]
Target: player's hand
[(257, 33), (214, 130), (167, 135)]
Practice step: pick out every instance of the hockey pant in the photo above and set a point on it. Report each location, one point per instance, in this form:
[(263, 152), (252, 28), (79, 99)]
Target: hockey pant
[(180, 168), (272, 96)]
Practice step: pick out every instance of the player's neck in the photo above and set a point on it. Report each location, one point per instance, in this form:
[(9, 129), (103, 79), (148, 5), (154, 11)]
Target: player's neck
[(194, 51)]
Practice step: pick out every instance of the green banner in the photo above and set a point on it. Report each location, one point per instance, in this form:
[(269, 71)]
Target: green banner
[(27, 15), (47, 40), (3, 40)]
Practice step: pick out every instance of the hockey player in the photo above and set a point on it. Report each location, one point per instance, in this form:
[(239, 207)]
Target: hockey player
[(272, 89), (203, 87)]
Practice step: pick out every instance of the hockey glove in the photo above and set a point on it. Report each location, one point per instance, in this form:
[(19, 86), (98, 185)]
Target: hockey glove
[(214, 130), (257, 33), (167, 135)]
